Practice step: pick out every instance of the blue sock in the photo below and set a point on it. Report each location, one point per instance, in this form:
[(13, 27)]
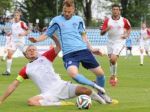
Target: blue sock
[(83, 80), (100, 80)]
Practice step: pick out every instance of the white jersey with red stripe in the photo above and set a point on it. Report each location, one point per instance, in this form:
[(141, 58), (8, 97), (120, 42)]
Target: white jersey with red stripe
[(117, 28), (43, 75), (145, 39), (18, 28)]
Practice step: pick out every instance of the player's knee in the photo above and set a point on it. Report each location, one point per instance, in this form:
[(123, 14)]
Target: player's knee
[(84, 90), (30, 102)]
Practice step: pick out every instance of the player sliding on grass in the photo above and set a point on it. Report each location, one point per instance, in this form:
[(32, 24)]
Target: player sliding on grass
[(118, 29), (75, 47), (53, 88)]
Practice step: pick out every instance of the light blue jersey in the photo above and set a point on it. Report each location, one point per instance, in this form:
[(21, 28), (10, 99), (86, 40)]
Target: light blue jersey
[(69, 33), (128, 42)]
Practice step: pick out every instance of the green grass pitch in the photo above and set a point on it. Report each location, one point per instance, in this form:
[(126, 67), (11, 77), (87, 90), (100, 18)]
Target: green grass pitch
[(133, 90)]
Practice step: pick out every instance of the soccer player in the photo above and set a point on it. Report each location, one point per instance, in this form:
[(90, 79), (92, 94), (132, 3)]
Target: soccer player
[(118, 29), (53, 88), (75, 47), (144, 42), (128, 47), (8, 44), (18, 32)]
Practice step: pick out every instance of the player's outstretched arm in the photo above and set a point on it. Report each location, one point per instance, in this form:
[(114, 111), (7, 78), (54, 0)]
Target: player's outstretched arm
[(58, 47), (40, 38), (11, 88)]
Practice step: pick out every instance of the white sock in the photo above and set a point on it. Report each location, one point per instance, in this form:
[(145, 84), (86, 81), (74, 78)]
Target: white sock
[(97, 98), (48, 103), (141, 58), (5, 55), (113, 69), (8, 66)]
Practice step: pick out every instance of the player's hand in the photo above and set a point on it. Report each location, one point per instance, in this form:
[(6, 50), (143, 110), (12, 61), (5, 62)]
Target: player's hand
[(98, 51), (32, 39)]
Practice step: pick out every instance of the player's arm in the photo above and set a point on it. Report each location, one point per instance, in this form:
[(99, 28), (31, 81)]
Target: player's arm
[(58, 46), (49, 32), (11, 88), (25, 29), (127, 28), (104, 28), (40, 38), (95, 51)]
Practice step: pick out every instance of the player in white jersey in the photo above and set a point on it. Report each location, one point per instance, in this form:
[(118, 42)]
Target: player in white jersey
[(118, 29), (18, 31), (8, 45), (52, 88), (144, 42)]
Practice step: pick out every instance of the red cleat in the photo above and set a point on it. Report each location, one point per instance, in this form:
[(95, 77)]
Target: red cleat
[(113, 80)]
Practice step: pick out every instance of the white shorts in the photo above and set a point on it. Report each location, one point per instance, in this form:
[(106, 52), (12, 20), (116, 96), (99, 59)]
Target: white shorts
[(67, 91), (115, 47), (15, 45), (144, 44)]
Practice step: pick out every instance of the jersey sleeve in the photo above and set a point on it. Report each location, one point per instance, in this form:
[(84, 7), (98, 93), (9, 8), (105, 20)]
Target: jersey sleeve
[(104, 25), (126, 24), (22, 75), (81, 27), (23, 25), (53, 26), (50, 54)]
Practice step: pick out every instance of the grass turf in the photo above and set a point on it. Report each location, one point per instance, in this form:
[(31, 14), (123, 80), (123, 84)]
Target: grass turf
[(132, 91)]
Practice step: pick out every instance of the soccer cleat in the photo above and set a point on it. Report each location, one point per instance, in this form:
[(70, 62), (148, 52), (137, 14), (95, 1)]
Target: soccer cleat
[(114, 101), (141, 64), (107, 99), (113, 80), (6, 73), (101, 89)]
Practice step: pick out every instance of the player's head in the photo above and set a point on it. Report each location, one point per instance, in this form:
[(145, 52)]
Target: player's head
[(68, 8), (31, 52), (17, 15), (143, 25), (116, 10)]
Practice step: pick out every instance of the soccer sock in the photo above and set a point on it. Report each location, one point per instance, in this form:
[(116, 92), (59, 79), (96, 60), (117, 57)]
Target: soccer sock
[(100, 80), (48, 103), (83, 80), (4, 56), (113, 69), (97, 98), (9, 63), (141, 58)]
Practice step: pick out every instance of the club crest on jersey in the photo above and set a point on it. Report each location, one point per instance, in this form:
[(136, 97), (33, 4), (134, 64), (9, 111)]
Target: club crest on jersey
[(69, 62), (74, 25)]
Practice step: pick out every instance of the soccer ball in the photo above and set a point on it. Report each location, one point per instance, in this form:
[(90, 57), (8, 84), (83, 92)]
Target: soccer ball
[(83, 102)]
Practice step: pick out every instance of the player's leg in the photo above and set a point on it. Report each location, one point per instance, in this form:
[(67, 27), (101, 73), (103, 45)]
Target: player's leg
[(45, 100), (9, 62), (72, 64), (141, 56), (35, 101), (83, 90)]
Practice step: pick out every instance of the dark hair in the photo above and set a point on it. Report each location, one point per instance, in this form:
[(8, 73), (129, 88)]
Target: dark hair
[(116, 5)]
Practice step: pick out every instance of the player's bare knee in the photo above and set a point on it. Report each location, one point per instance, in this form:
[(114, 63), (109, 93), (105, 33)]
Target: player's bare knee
[(83, 90), (30, 102)]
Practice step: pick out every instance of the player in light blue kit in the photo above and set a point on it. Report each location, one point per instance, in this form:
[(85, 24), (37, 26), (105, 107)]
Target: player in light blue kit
[(128, 47), (76, 48)]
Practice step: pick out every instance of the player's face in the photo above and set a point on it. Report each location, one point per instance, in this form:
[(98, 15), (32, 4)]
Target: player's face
[(31, 52), (143, 25), (68, 12), (17, 17), (115, 11)]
